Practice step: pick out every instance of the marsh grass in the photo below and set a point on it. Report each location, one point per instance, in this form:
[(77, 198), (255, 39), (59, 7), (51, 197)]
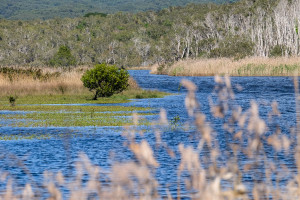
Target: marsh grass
[(71, 116), (70, 119), (34, 81), (73, 108), (26, 137), (255, 66), (249, 166), (55, 85)]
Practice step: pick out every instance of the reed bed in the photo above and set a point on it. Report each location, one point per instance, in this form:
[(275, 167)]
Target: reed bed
[(21, 81), (36, 81), (205, 170), (254, 66)]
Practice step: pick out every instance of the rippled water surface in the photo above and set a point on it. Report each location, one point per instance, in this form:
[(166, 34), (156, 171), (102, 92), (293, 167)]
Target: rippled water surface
[(100, 143)]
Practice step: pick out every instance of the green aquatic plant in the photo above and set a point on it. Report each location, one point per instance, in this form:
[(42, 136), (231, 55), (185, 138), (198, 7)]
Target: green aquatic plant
[(175, 122), (12, 100), (74, 108)]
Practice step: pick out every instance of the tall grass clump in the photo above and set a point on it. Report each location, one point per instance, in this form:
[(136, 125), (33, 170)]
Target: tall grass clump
[(255, 66), (242, 159)]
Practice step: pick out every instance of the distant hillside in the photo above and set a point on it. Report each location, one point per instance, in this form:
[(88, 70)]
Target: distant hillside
[(46, 9), (245, 28)]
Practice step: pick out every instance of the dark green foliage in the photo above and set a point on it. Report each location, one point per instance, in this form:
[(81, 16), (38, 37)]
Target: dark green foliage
[(277, 50), (155, 32), (236, 47), (124, 36), (12, 100), (95, 14), (81, 25), (35, 73), (105, 80), (63, 57)]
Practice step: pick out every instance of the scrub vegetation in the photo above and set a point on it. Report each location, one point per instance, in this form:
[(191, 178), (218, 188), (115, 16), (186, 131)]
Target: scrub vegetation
[(261, 28)]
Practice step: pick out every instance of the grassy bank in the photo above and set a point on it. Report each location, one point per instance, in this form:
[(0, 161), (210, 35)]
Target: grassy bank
[(56, 85), (31, 89), (255, 66)]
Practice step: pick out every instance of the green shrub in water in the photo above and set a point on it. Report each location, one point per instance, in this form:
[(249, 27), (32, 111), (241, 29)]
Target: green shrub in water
[(105, 80)]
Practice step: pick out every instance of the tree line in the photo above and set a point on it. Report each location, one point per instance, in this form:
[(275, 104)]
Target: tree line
[(245, 28)]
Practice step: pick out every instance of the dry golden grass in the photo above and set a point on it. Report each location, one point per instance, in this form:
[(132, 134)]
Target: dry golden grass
[(140, 68), (67, 82), (254, 66)]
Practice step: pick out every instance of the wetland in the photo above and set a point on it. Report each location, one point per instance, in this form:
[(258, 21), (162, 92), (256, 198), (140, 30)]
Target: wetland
[(114, 134)]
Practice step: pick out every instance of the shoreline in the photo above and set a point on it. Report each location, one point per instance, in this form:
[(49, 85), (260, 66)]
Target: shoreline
[(253, 66)]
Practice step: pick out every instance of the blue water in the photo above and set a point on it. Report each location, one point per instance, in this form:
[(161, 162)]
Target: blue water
[(100, 143)]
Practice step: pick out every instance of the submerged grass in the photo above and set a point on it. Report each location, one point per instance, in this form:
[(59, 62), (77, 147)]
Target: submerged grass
[(25, 137), (69, 115), (70, 119), (70, 108)]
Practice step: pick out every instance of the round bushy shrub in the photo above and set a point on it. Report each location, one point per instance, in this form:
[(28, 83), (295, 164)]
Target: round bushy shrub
[(105, 80)]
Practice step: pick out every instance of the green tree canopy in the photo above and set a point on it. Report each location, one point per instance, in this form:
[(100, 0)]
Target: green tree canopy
[(105, 80), (63, 57)]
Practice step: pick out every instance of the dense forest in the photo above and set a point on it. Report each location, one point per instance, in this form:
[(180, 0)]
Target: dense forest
[(237, 30), (46, 9)]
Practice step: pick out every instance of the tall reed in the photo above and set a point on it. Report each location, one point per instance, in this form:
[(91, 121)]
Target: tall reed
[(26, 81), (254, 66)]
